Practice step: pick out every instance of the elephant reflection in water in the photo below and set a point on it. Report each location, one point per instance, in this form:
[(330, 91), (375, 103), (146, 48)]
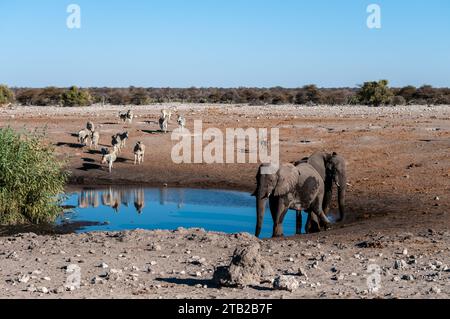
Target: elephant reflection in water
[(88, 198), (163, 194), (181, 198), (139, 200), (166, 196)]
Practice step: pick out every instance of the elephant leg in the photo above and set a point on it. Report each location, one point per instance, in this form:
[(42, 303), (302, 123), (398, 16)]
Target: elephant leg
[(278, 221), (328, 195), (318, 211), (313, 223), (298, 222), (274, 202)]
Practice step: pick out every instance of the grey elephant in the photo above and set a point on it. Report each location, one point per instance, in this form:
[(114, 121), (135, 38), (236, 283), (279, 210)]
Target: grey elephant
[(332, 168), (290, 187)]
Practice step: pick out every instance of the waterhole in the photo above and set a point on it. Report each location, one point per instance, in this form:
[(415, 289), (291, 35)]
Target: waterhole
[(116, 209)]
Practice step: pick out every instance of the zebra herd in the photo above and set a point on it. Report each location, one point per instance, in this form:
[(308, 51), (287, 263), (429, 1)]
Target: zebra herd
[(119, 140)]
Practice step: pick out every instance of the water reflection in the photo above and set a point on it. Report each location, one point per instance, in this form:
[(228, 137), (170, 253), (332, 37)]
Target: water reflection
[(166, 208), (115, 198)]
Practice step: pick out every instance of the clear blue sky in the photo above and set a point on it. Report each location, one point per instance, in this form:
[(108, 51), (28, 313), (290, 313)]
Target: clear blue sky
[(226, 43)]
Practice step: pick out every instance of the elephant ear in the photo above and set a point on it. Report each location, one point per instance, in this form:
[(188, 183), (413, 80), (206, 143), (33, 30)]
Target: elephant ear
[(287, 180)]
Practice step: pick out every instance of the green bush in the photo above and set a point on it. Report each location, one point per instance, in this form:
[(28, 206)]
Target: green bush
[(375, 93), (6, 95), (31, 179), (76, 97)]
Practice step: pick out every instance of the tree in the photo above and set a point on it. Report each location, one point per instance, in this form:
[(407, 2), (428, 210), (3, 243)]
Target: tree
[(48, 96), (408, 92), (427, 93), (139, 97), (6, 95), (76, 97), (375, 93), (309, 94), (26, 97)]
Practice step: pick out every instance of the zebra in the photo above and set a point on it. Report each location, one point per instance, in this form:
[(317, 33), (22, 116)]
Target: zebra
[(109, 158), (181, 122), (139, 153)]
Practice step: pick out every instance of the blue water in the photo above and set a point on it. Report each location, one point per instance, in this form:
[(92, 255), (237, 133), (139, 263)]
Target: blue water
[(148, 208)]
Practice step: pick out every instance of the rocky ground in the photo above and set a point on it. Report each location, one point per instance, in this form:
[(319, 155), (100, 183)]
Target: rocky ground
[(181, 264), (397, 224)]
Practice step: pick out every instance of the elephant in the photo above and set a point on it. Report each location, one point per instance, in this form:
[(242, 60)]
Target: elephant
[(332, 169), (290, 187)]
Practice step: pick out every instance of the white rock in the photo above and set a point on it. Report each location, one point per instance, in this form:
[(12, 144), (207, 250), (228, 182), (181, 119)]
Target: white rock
[(24, 279), (288, 283), (43, 290)]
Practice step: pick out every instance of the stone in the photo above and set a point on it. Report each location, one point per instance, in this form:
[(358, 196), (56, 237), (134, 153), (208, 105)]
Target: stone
[(58, 290), (246, 268), (400, 264), (24, 279), (43, 290), (155, 247), (435, 290), (408, 277), (287, 283), (302, 273)]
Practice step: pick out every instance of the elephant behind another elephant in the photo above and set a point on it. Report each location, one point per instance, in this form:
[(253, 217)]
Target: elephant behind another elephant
[(332, 168), (290, 187)]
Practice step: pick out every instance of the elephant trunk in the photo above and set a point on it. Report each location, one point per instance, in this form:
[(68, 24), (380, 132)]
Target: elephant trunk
[(260, 210)]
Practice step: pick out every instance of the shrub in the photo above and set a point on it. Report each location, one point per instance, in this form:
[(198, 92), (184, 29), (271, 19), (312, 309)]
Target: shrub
[(140, 97), (375, 93), (26, 97), (48, 96), (398, 100), (6, 95), (408, 93), (31, 179), (309, 94), (76, 97)]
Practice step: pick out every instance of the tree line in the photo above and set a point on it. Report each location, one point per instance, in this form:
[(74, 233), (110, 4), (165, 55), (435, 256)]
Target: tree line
[(374, 93)]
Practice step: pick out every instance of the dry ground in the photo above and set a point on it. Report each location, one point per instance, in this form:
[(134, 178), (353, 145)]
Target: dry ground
[(398, 164)]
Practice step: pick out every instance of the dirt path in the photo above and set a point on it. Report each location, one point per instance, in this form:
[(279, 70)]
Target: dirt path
[(398, 163)]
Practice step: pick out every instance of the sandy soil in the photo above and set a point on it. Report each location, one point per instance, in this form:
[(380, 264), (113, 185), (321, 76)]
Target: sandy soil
[(398, 163)]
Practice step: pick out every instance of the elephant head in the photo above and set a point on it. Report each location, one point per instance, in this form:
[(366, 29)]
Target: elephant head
[(336, 171), (272, 182)]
